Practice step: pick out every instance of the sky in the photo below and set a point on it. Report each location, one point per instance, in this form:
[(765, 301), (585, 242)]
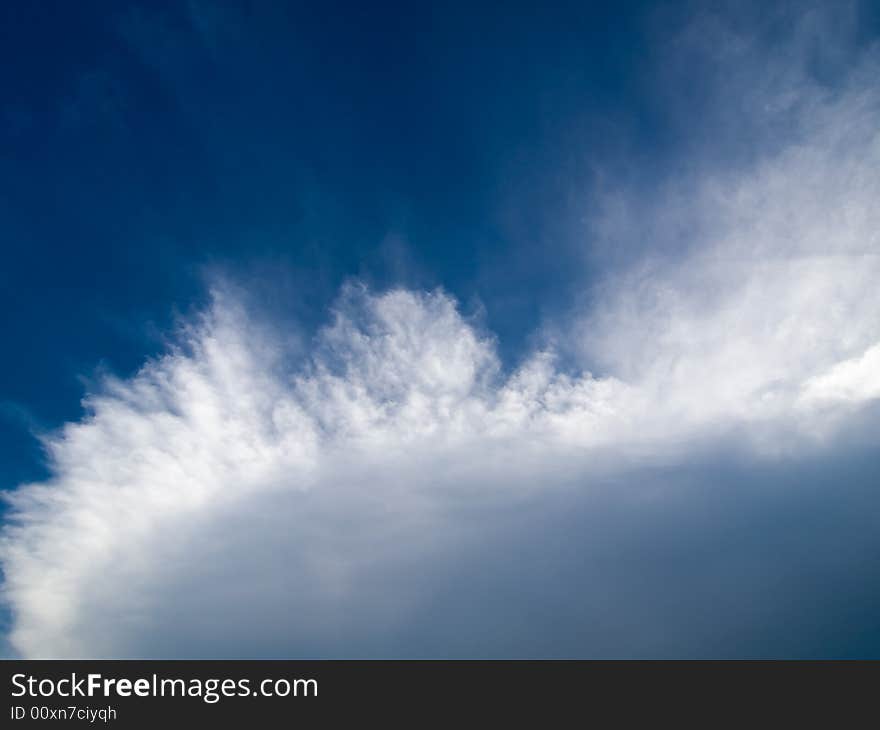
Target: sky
[(440, 330)]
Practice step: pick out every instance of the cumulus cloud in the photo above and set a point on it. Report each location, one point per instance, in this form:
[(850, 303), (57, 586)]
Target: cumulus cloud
[(237, 497), (357, 456)]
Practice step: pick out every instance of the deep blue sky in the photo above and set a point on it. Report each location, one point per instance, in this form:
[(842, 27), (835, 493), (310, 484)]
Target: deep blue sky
[(142, 144)]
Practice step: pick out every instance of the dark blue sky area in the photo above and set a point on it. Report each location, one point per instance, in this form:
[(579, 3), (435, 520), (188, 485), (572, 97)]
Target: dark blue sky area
[(144, 144)]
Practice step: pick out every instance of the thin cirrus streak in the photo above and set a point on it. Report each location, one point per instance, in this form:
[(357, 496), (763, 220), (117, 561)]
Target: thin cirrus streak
[(766, 325)]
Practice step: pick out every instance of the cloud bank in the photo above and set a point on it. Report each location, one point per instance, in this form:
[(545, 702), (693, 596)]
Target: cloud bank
[(239, 496)]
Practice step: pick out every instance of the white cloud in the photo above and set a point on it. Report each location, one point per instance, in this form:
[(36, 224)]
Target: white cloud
[(400, 413), (855, 380), (767, 270), (224, 497)]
